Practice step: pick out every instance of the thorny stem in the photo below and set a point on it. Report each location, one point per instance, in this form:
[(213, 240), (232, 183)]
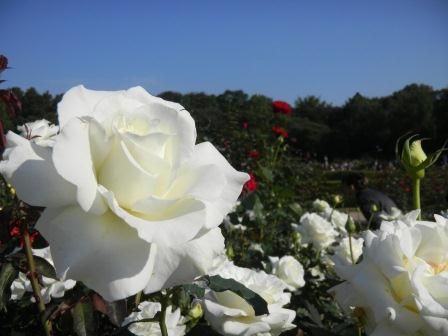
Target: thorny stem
[(46, 324)]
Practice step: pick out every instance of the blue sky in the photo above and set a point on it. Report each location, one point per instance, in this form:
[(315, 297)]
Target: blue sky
[(283, 49)]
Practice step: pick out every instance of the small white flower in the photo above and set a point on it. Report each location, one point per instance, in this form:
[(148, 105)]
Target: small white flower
[(256, 247), (321, 205), (51, 288), (40, 132), (337, 218), (174, 320), (316, 230), (229, 314), (317, 273), (342, 253), (289, 270), (251, 215), (231, 227)]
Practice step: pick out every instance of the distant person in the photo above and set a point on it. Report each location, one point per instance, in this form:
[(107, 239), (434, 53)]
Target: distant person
[(371, 202)]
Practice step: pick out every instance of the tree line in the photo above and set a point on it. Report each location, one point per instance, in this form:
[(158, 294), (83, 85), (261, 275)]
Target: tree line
[(238, 122)]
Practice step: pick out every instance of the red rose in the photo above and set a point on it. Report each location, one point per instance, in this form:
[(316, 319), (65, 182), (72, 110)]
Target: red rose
[(245, 125), (280, 131), (253, 153), (282, 107), (11, 101), (3, 62), (251, 185)]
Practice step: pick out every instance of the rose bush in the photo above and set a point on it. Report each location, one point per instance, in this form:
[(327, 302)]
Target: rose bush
[(130, 198), (401, 283)]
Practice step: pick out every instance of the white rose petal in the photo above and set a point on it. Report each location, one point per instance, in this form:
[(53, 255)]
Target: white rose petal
[(290, 270), (124, 185), (402, 280), (229, 314), (173, 320)]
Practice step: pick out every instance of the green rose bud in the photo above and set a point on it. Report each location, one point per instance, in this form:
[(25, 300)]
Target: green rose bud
[(350, 225), (414, 159), (337, 199), (196, 311)]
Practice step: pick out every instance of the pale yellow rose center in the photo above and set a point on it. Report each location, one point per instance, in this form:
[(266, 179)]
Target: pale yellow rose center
[(439, 268)]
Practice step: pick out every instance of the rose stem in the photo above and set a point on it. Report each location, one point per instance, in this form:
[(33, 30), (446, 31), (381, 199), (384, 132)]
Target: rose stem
[(351, 248), (138, 298), (416, 195), (34, 282), (162, 316)]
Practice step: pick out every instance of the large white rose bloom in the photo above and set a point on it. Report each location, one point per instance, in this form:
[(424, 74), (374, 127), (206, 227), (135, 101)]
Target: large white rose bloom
[(229, 314), (131, 201), (174, 321), (50, 287), (289, 270), (402, 282), (316, 230)]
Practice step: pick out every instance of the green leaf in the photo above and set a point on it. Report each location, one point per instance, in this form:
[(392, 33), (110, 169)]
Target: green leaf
[(83, 319), (44, 268), (219, 284), (267, 173), (8, 274), (258, 208), (296, 208), (194, 290)]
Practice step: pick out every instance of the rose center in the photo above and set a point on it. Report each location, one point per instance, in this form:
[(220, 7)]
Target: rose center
[(439, 268)]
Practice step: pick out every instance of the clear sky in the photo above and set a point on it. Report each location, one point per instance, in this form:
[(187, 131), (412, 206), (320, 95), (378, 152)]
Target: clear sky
[(283, 49)]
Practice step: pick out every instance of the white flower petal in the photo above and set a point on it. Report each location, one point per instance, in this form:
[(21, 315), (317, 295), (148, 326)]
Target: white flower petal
[(206, 154), (97, 250), (28, 167), (78, 102), (181, 264), (73, 162)]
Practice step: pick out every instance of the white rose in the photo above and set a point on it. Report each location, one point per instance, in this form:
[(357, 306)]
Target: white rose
[(337, 218), (40, 131), (130, 199), (402, 281), (173, 320), (320, 205), (316, 230), (229, 314), (342, 254), (395, 213), (50, 287), (289, 270)]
